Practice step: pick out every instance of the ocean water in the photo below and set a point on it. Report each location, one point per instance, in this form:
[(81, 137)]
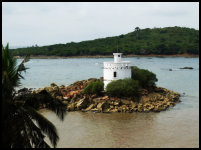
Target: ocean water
[(176, 127)]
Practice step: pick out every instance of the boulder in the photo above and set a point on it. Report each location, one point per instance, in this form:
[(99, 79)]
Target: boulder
[(71, 107), (140, 107), (48, 89), (65, 102), (133, 104), (82, 103), (95, 110), (111, 106), (116, 103), (124, 108), (148, 107), (59, 97), (186, 68), (160, 107), (126, 102), (144, 92), (23, 90), (114, 110), (90, 107), (102, 106), (62, 86), (105, 98), (171, 104), (53, 84), (107, 110)]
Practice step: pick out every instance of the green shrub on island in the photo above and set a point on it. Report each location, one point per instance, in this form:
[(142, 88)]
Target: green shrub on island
[(145, 77), (94, 88), (123, 88)]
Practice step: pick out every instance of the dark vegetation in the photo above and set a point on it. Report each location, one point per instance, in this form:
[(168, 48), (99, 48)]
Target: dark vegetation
[(140, 79), (123, 88), (163, 41), (23, 126), (145, 77), (94, 88)]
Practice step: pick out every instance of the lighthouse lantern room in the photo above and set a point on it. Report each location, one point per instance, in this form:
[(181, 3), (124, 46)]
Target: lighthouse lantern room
[(116, 70)]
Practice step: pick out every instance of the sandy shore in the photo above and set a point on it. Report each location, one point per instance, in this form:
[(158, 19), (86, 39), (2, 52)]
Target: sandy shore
[(106, 56)]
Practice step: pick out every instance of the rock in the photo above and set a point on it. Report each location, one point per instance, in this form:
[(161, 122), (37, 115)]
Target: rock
[(82, 103), (95, 110), (116, 103), (147, 107), (59, 97), (160, 107), (114, 110), (171, 104), (66, 98), (107, 110), (71, 107), (53, 84), (133, 104), (140, 107), (126, 102), (65, 102), (90, 107), (24, 90), (96, 100), (186, 68), (124, 108), (120, 109), (111, 106), (48, 89), (102, 106), (105, 98), (62, 86), (144, 92)]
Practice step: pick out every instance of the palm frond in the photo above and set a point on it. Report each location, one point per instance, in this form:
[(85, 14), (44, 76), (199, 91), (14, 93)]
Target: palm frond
[(51, 103), (23, 126), (44, 124)]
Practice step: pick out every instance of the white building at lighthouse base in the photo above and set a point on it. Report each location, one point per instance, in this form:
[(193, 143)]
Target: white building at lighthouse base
[(116, 70)]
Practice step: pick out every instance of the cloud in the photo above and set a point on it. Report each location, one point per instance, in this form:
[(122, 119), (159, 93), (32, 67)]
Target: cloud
[(45, 23)]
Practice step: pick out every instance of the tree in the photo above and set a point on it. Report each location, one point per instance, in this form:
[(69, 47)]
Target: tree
[(145, 77), (137, 29), (23, 126)]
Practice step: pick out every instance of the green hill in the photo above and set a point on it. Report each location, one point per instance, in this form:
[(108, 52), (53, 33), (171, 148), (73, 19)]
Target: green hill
[(168, 40)]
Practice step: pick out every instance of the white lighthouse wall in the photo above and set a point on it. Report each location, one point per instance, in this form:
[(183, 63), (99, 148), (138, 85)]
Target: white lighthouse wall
[(122, 70)]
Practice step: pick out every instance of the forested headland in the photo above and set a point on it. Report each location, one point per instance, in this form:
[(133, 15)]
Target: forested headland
[(159, 41)]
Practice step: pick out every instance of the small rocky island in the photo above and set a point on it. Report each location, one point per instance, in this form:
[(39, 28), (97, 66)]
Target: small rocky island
[(156, 100)]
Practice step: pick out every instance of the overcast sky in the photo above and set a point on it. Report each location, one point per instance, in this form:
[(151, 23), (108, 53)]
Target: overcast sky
[(26, 24)]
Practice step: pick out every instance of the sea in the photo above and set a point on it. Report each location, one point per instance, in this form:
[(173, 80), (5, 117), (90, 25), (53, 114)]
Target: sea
[(177, 127)]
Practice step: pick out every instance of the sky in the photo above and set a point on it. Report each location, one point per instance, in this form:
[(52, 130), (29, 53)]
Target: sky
[(47, 23)]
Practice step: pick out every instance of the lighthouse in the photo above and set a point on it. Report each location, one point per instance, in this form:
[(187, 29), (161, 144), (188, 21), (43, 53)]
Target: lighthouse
[(116, 69)]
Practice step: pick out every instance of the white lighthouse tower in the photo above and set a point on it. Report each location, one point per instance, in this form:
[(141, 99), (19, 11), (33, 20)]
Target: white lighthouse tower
[(116, 70)]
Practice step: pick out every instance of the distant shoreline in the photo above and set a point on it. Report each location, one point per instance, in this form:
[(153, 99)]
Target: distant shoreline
[(107, 56)]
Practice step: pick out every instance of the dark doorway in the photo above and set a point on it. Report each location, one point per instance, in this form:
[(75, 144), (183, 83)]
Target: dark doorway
[(115, 74)]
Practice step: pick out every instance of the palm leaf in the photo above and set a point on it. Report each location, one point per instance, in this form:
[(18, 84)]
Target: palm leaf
[(51, 103), (44, 124)]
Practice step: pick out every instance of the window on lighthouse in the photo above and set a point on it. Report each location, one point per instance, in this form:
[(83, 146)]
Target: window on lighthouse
[(118, 55), (115, 74)]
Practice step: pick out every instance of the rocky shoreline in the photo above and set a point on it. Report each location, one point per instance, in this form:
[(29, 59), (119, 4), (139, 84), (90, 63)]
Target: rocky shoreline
[(107, 56), (156, 100)]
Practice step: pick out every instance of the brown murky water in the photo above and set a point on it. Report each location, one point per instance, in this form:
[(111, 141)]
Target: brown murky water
[(172, 128)]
